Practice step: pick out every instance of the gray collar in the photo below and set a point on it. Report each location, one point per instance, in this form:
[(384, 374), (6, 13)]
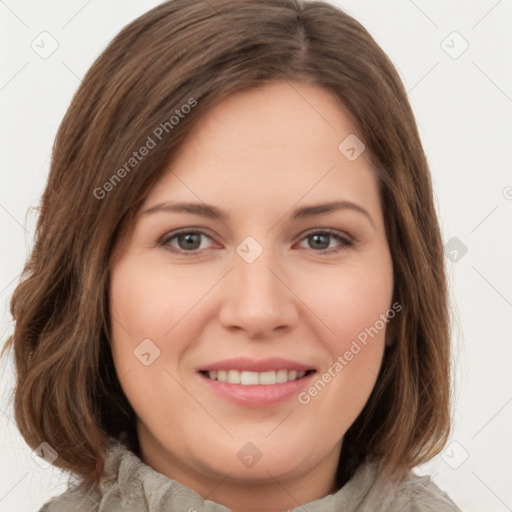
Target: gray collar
[(132, 486)]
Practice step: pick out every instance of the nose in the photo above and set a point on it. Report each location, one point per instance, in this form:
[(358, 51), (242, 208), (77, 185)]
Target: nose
[(258, 299)]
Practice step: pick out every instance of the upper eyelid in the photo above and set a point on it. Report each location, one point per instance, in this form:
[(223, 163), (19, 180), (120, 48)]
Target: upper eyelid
[(172, 234)]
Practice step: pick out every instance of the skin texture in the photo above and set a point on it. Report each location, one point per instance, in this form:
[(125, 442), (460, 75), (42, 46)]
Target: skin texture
[(257, 155)]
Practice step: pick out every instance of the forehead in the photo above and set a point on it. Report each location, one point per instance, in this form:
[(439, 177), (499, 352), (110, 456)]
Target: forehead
[(271, 146), (290, 119)]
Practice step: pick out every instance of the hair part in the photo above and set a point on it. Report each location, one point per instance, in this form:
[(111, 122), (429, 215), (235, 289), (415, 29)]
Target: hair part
[(67, 391)]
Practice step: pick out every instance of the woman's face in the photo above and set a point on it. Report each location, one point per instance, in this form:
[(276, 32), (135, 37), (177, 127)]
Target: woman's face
[(254, 281)]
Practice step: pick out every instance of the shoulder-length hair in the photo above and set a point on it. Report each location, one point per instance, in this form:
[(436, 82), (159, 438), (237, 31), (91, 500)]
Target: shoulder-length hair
[(195, 53)]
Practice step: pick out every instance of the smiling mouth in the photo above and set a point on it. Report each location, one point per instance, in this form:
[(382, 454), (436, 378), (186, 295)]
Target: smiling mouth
[(247, 378)]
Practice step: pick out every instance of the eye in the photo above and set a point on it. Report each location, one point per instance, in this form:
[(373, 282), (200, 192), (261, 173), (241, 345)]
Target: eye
[(322, 240), (187, 241)]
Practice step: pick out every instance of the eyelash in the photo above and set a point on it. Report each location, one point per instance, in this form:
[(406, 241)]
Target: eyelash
[(346, 242)]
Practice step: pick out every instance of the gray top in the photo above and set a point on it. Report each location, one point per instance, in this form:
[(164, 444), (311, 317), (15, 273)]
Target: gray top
[(132, 486)]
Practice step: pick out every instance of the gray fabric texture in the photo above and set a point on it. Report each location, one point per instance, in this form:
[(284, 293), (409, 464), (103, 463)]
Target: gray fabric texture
[(132, 486)]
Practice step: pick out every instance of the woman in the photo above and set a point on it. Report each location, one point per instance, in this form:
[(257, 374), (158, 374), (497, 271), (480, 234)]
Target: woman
[(236, 299)]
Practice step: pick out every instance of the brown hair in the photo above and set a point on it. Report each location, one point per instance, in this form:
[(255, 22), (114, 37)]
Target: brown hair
[(187, 51)]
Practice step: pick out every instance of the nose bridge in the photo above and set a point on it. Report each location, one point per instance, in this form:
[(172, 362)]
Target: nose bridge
[(257, 299)]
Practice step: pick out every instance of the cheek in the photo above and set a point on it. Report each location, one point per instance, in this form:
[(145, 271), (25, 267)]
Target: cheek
[(350, 301), (139, 312), (143, 310), (147, 301), (353, 302)]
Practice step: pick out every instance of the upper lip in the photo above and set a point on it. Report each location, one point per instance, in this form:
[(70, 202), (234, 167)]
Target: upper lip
[(255, 365)]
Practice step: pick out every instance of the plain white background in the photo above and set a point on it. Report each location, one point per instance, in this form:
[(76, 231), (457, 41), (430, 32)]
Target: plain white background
[(455, 59)]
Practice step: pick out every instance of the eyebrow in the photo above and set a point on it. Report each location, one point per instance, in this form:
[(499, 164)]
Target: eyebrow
[(213, 212)]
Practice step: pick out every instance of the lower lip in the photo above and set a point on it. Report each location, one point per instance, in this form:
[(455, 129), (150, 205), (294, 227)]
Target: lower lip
[(258, 395)]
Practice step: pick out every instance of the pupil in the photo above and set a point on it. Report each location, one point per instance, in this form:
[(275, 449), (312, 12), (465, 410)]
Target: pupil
[(318, 241), (189, 240)]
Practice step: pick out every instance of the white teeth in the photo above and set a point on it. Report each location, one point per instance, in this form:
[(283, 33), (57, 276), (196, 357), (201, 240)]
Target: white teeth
[(254, 378), (247, 378), (282, 376), (267, 378), (233, 377)]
